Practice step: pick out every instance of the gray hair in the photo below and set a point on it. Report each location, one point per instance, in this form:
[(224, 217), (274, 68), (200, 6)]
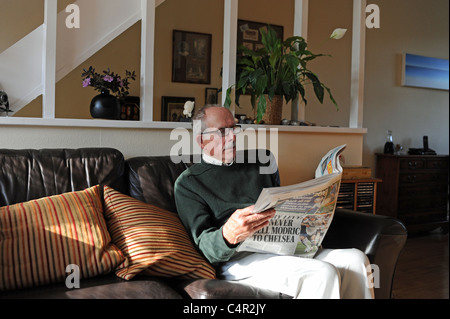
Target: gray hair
[(200, 115)]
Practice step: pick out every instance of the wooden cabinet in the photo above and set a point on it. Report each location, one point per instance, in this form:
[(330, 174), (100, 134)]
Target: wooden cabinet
[(358, 194), (414, 189)]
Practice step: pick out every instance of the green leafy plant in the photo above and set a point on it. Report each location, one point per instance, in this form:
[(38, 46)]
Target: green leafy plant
[(278, 68)]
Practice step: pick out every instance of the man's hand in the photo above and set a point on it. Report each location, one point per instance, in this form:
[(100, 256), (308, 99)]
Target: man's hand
[(244, 223)]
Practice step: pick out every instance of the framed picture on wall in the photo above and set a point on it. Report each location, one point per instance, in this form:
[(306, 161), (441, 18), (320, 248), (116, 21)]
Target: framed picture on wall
[(248, 33), (172, 108), (191, 57), (211, 95)]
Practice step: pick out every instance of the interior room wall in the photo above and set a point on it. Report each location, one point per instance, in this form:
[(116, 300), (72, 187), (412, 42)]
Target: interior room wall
[(417, 27), (413, 26), (334, 70)]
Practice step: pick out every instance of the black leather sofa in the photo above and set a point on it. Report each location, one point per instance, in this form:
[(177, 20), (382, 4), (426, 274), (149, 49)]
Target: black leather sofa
[(32, 174)]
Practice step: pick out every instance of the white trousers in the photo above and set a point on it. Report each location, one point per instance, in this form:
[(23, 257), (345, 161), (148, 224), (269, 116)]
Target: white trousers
[(331, 274)]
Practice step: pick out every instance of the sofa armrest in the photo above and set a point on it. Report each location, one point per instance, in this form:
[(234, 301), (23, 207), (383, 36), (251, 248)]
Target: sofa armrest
[(381, 238)]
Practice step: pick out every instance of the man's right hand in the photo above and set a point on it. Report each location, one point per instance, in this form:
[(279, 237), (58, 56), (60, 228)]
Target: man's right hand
[(243, 223)]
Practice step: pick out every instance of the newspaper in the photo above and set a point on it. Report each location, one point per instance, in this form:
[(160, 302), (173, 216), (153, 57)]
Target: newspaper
[(304, 212)]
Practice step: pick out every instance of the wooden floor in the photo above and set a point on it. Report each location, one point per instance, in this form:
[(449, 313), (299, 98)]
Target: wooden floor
[(422, 271)]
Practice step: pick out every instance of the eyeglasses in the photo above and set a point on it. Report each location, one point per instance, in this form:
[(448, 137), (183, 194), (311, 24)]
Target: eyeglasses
[(224, 131)]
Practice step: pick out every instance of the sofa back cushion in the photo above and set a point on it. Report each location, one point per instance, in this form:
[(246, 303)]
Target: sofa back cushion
[(32, 174), (152, 179)]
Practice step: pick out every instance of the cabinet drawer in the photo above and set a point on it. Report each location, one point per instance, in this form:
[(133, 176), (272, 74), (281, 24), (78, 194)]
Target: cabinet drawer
[(434, 190), (422, 203), (437, 164), (421, 177), (412, 164)]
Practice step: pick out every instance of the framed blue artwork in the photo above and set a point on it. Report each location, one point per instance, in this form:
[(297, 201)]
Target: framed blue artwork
[(425, 72)]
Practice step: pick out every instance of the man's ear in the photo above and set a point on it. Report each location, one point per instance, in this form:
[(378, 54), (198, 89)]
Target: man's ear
[(199, 141)]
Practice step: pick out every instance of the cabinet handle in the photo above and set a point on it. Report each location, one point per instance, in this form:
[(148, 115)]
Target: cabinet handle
[(412, 165), (411, 179)]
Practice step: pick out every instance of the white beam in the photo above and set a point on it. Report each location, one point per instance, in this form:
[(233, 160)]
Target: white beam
[(301, 18), (147, 59), (358, 62), (300, 29), (49, 59), (229, 45)]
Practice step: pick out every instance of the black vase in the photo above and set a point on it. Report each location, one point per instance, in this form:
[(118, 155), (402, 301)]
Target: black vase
[(105, 106)]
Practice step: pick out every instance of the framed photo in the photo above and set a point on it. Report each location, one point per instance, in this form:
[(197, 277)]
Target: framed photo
[(191, 57), (249, 35), (211, 95), (425, 72), (129, 108), (172, 108)]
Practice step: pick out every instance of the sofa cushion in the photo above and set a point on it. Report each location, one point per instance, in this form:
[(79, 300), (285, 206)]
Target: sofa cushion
[(101, 287), (153, 240), (31, 174), (152, 179), (40, 238)]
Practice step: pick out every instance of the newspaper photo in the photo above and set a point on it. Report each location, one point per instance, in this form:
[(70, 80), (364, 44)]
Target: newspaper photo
[(304, 212)]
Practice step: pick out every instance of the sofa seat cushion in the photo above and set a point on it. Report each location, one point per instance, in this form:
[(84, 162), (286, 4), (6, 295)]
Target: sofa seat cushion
[(222, 289), (102, 287), (39, 239), (153, 240)]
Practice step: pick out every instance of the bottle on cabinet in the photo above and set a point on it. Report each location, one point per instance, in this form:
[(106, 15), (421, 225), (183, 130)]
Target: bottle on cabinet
[(389, 145)]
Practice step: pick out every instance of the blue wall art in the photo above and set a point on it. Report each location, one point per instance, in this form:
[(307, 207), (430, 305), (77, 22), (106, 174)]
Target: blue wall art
[(426, 72)]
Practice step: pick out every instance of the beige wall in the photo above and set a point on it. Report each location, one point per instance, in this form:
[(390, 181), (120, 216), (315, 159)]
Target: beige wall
[(298, 153), (72, 101), (417, 27), (413, 26), (17, 19)]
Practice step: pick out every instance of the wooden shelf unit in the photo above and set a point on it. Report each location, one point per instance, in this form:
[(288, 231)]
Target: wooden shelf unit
[(358, 194)]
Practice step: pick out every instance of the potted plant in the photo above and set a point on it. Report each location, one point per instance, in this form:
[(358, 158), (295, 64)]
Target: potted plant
[(277, 70), (106, 105)]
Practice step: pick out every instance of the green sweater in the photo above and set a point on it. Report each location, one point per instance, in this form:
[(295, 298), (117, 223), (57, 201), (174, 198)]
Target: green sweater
[(206, 195)]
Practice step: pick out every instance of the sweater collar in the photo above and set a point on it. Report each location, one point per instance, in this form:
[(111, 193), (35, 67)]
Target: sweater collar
[(214, 161)]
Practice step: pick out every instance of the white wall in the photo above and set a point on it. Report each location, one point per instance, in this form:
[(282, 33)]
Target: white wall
[(417, 27), (298, 151)]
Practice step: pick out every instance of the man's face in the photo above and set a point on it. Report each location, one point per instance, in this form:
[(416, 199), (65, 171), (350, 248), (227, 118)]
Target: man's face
[(220, 146)]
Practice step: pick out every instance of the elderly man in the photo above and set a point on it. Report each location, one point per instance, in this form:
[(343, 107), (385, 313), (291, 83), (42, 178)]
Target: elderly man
[(215, 200)]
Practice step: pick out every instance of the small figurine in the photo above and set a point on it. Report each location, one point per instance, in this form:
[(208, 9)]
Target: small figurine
[(4, 103)]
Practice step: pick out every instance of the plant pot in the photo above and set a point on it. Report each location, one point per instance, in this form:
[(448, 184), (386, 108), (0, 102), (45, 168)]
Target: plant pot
[(274, 110), (105, 106)]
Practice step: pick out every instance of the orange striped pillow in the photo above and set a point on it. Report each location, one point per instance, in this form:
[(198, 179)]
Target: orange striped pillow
[(40, 238), (154, 240)]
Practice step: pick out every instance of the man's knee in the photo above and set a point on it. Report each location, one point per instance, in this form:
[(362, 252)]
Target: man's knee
[(354, 256), (328, 271)]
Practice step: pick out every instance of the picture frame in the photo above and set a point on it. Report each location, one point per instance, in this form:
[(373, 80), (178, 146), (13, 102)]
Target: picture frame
[(130, 108), (211, 96), (425, 72), (249, 36), (172, 108), (191, 57)]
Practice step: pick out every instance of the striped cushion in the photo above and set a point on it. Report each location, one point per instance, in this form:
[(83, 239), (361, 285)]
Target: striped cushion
[(154, 240), (40, 238)]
